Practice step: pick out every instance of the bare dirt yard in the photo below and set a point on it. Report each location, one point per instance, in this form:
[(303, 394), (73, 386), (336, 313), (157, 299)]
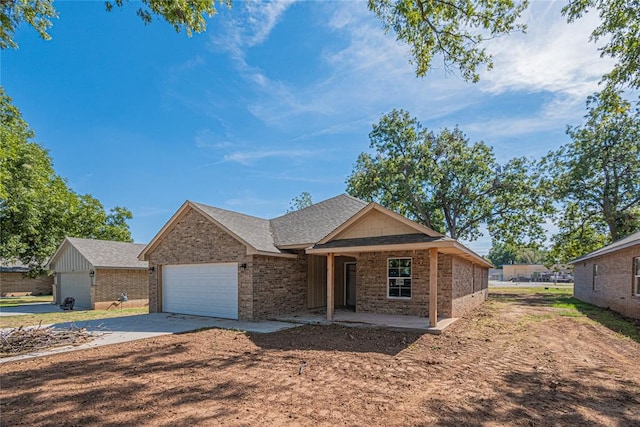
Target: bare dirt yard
[(518, 360)]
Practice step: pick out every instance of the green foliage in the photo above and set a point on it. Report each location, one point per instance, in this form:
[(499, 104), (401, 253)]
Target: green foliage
[(37, 208), (300, 202), (187, 15), (596, 177), (454, 29), (506, 253), (620, 28), (37, 13), (446, 183)]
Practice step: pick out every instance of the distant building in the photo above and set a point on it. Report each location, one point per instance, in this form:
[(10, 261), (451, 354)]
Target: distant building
[(610, 276), (536, 273), (15, 282)]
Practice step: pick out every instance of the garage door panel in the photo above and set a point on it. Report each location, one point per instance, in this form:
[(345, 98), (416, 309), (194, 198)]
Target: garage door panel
[(78, 286), (201, 289)]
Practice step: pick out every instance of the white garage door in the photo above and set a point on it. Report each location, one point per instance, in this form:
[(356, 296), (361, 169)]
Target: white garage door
[(201, 289), (78, 286)]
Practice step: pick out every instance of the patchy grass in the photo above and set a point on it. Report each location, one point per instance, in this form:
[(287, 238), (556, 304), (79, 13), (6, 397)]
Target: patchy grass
[(13, 301), (67, 316), (551, 289), (573, 307)]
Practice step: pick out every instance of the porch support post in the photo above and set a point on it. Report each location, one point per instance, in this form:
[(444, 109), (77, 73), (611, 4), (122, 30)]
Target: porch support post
[(433, 287), (331, 272)]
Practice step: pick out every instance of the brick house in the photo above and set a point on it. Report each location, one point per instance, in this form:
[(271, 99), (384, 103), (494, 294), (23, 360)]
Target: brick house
[(610, 276), (97, 273), (339, 253), (14, 281)]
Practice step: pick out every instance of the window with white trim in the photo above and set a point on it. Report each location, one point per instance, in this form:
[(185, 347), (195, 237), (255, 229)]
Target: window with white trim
[(399, 277), (594, 277), (636, 276)]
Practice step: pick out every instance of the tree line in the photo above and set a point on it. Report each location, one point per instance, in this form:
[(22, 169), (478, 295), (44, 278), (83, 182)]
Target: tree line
[(589, 188)]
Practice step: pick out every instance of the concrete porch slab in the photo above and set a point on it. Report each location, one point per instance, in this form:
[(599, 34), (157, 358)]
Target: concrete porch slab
[(351, 318)]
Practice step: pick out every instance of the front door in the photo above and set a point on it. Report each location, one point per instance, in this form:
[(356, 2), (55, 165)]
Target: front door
[(350, 283)]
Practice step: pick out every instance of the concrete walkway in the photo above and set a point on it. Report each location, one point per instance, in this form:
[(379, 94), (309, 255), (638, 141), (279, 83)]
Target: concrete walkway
[(351, 318), (130, 328)]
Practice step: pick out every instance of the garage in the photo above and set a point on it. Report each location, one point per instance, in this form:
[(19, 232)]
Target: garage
[(201, 289), (78, 286)]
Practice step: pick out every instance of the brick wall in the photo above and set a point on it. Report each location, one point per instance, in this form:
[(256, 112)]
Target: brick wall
[(614, 282), (279, 285), (194, 239), (110, 283), (16, 284), (445, 285), (470, 286), (371, 288)]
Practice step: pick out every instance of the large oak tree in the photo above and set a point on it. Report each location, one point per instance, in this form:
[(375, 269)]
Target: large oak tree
[(596, 177), (447, 183)]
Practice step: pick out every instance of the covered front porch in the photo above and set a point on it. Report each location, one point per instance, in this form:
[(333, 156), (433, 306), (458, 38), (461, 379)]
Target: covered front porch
[(347, 317)]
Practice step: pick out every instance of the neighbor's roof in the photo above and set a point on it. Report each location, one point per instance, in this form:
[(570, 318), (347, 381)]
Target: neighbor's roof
[(104, 253), (309, 225), (631, 240), (7, 266)]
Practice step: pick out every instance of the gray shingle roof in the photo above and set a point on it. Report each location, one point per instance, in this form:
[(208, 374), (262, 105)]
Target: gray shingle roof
[(108, 254), (631, 240), (255, 231), (311, 224), (303, 227)]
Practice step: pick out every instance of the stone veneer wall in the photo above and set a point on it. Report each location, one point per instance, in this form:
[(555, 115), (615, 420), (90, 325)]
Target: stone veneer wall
[(614, 284), (111, 283), (16, 284), (279, 285), (194, 239)]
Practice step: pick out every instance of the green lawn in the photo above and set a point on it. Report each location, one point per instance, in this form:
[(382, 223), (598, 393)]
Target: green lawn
[(67, 316), (13, 301)]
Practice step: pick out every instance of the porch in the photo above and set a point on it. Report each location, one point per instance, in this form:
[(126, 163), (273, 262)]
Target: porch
[(347, 317)]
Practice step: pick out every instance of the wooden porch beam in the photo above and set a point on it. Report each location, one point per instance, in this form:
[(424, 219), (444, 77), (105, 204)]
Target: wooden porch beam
[(331, 272), (433, 287)]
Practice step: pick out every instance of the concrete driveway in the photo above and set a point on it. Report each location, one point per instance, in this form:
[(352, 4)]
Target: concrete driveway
[(130, 328), (33, 308)]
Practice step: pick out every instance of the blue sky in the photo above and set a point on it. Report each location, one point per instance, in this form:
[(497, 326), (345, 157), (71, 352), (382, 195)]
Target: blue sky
[(272, 100)]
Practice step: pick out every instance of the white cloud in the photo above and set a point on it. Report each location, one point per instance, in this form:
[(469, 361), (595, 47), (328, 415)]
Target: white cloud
[(205, 138), (249, 157), (553, 56)]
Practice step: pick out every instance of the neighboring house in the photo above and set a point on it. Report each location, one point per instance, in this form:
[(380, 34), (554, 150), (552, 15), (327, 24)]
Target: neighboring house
[(341, 252), (610, 276), (495, 274), (15, 282), (536, 273), (98, 272)]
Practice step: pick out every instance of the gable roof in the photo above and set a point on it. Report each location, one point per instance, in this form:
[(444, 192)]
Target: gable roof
[(104, 253), (631, 240), (251, 230), (307, 226), (313, 228)]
